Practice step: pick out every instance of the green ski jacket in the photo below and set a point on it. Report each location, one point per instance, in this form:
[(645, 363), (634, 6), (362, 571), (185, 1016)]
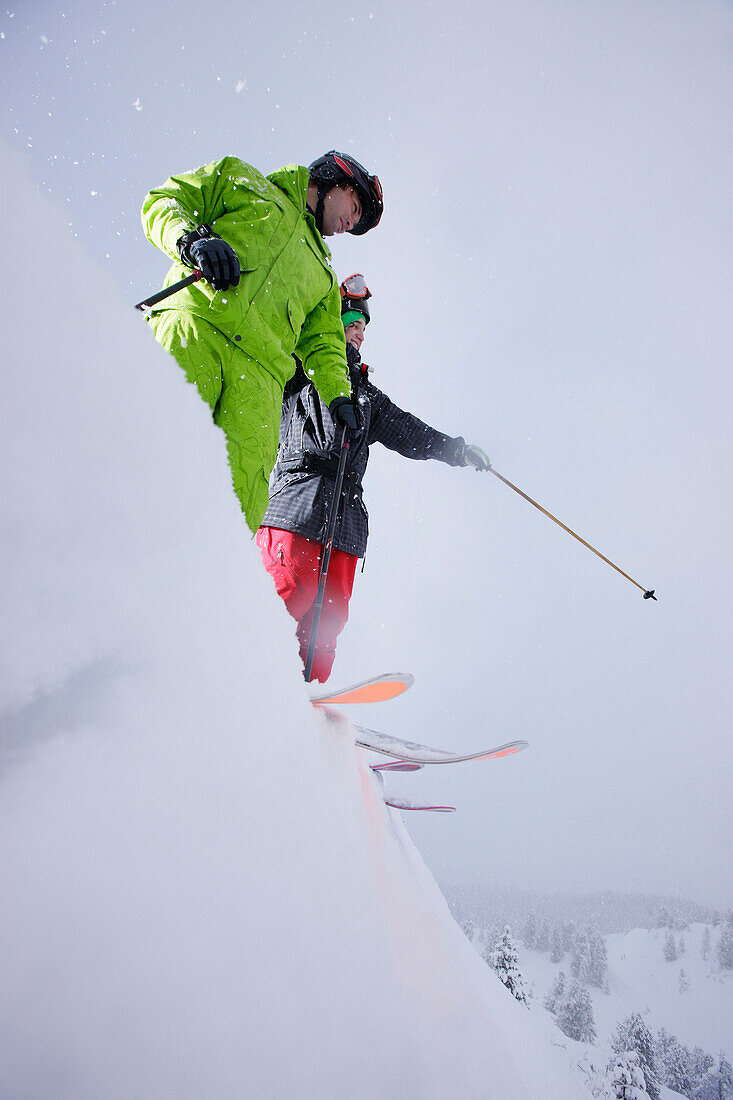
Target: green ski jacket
[(287, 301)]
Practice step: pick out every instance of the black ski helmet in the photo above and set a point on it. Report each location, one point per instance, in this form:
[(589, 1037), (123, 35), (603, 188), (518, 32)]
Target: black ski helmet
[(334, 168), (354, 294)]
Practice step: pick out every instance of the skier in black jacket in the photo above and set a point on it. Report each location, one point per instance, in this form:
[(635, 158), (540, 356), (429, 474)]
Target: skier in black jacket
[(303, 482)]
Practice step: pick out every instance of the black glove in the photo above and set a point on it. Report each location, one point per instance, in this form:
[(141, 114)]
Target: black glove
[(215, 259), (342, 410)]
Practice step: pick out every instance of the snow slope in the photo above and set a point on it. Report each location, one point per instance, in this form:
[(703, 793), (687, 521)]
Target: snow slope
[(204, 894)]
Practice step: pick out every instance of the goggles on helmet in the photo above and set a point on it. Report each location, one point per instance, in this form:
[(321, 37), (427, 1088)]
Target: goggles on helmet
[(355, 287)]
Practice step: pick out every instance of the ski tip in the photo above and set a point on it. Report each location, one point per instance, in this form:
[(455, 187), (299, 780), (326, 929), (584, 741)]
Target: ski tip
[(505, 750), (398, 805)]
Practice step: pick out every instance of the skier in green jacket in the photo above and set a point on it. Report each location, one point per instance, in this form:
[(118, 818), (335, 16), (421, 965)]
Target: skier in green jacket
[(268, 292)]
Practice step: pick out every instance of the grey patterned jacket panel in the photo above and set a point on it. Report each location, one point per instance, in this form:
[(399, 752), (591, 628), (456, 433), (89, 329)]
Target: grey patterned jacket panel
[(303, 480)]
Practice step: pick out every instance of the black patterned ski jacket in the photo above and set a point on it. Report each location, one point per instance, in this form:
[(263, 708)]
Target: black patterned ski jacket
[(303, 480)]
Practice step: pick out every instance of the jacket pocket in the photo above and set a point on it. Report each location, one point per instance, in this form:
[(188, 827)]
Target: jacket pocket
[(296, 316)]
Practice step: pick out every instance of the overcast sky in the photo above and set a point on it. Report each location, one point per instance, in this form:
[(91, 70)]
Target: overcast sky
[(552, 280)]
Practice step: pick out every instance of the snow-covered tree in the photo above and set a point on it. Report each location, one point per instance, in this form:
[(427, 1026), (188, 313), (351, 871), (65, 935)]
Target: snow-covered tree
[(556, 993), (633, 1034), (700, 1065), (598, 969), (718, 1083), (542, 943), (469, 928), (725, 946), (670, 948), (529, 933), (676, 918), (684, 981), (575, 1014), (556, 948), (580, 962), (491, 935), (589, 958), (706, 945), (664, 1046), (673, 1061), (625, 1078), (503, 958), (682, 947)]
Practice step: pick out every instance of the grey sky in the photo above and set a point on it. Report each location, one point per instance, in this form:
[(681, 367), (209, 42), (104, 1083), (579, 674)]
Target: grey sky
[(552, 280)]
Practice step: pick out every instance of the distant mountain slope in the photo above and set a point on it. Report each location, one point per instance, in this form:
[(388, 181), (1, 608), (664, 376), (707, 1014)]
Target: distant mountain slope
[(610, 910)]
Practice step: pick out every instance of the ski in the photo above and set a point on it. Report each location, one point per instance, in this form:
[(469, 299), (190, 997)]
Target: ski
[(376, 689), (397, 766), (397, 803), (411, 752)]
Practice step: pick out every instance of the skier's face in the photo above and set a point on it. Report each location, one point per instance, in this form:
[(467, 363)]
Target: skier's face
[(341, 210), (354, 333)]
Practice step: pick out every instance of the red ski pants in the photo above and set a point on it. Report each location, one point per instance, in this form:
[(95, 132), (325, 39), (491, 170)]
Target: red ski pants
[(293, 562)]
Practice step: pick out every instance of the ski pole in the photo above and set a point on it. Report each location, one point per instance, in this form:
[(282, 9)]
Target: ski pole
[(155, 298), (325, 560), (648, 592)]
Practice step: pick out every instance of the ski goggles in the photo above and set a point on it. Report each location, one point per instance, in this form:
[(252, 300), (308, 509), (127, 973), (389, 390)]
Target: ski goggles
[(355, 287)]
